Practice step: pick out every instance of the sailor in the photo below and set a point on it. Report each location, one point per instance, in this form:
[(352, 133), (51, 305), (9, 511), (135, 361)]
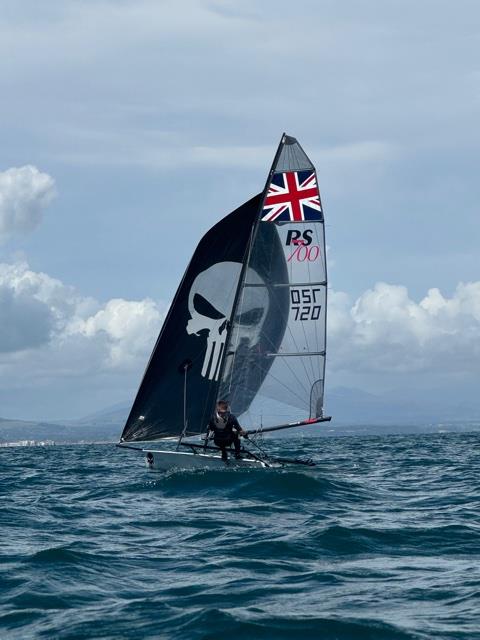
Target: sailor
[(226, 429)]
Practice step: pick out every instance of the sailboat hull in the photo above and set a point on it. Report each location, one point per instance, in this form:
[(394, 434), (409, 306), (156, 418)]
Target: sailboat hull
[(167, 460)]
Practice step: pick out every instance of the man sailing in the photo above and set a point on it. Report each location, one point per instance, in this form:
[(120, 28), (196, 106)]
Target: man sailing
[(226, 430)]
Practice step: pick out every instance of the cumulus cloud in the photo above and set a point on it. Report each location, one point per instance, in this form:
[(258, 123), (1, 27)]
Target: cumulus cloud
[(59, 332), (130, 328), (24, 321), (24, 194), (384, 330), (51, 336)]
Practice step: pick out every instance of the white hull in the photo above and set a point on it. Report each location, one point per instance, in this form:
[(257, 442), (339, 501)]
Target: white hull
[(166, 460)]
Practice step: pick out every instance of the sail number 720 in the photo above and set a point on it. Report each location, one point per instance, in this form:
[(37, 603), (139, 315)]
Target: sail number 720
[(304, 303)]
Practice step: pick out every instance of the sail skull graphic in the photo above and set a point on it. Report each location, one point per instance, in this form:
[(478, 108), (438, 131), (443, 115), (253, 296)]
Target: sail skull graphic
[(210, 305)]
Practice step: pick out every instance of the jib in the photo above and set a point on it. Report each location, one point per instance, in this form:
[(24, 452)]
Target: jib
[(294, 236)]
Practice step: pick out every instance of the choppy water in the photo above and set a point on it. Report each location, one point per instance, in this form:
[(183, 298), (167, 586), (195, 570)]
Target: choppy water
[(381, 540)]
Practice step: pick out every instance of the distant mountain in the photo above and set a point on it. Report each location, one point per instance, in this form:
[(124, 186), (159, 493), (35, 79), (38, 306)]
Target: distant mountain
[(353, 412), (353, 406), (101, 426), (114, 415), (21, 430)]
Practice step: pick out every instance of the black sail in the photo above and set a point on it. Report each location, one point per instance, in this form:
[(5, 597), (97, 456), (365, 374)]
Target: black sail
[(194, 333)]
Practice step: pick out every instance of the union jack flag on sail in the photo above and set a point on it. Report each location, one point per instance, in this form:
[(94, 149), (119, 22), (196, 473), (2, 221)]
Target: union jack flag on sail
[(292, 196)]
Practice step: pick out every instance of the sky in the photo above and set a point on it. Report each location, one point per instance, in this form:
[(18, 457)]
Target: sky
[(129, 127)]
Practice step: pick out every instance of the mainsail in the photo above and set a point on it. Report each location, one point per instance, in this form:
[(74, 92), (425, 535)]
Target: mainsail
[(248, 321), (274, 372)]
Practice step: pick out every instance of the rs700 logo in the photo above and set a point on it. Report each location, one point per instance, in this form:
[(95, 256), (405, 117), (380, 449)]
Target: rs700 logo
[(303, 250)]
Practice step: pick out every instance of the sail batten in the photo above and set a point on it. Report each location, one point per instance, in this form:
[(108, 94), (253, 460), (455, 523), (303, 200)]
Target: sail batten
[(288, 284), (297, 354)]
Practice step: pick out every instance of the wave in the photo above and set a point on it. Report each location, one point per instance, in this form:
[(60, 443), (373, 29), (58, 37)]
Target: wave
[(380, 540), (442, 540)]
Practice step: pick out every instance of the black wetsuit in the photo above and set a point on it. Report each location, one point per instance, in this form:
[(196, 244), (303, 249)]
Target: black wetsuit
[(225, 432)]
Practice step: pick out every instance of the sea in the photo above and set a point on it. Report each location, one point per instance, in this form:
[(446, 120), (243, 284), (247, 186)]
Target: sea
[(380, 540)]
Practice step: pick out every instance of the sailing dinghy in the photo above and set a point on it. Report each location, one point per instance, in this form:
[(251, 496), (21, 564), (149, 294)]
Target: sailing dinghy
[(247, 325)]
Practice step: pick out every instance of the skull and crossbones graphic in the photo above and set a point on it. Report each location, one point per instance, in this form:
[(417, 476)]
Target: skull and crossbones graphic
[(210, 304)]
